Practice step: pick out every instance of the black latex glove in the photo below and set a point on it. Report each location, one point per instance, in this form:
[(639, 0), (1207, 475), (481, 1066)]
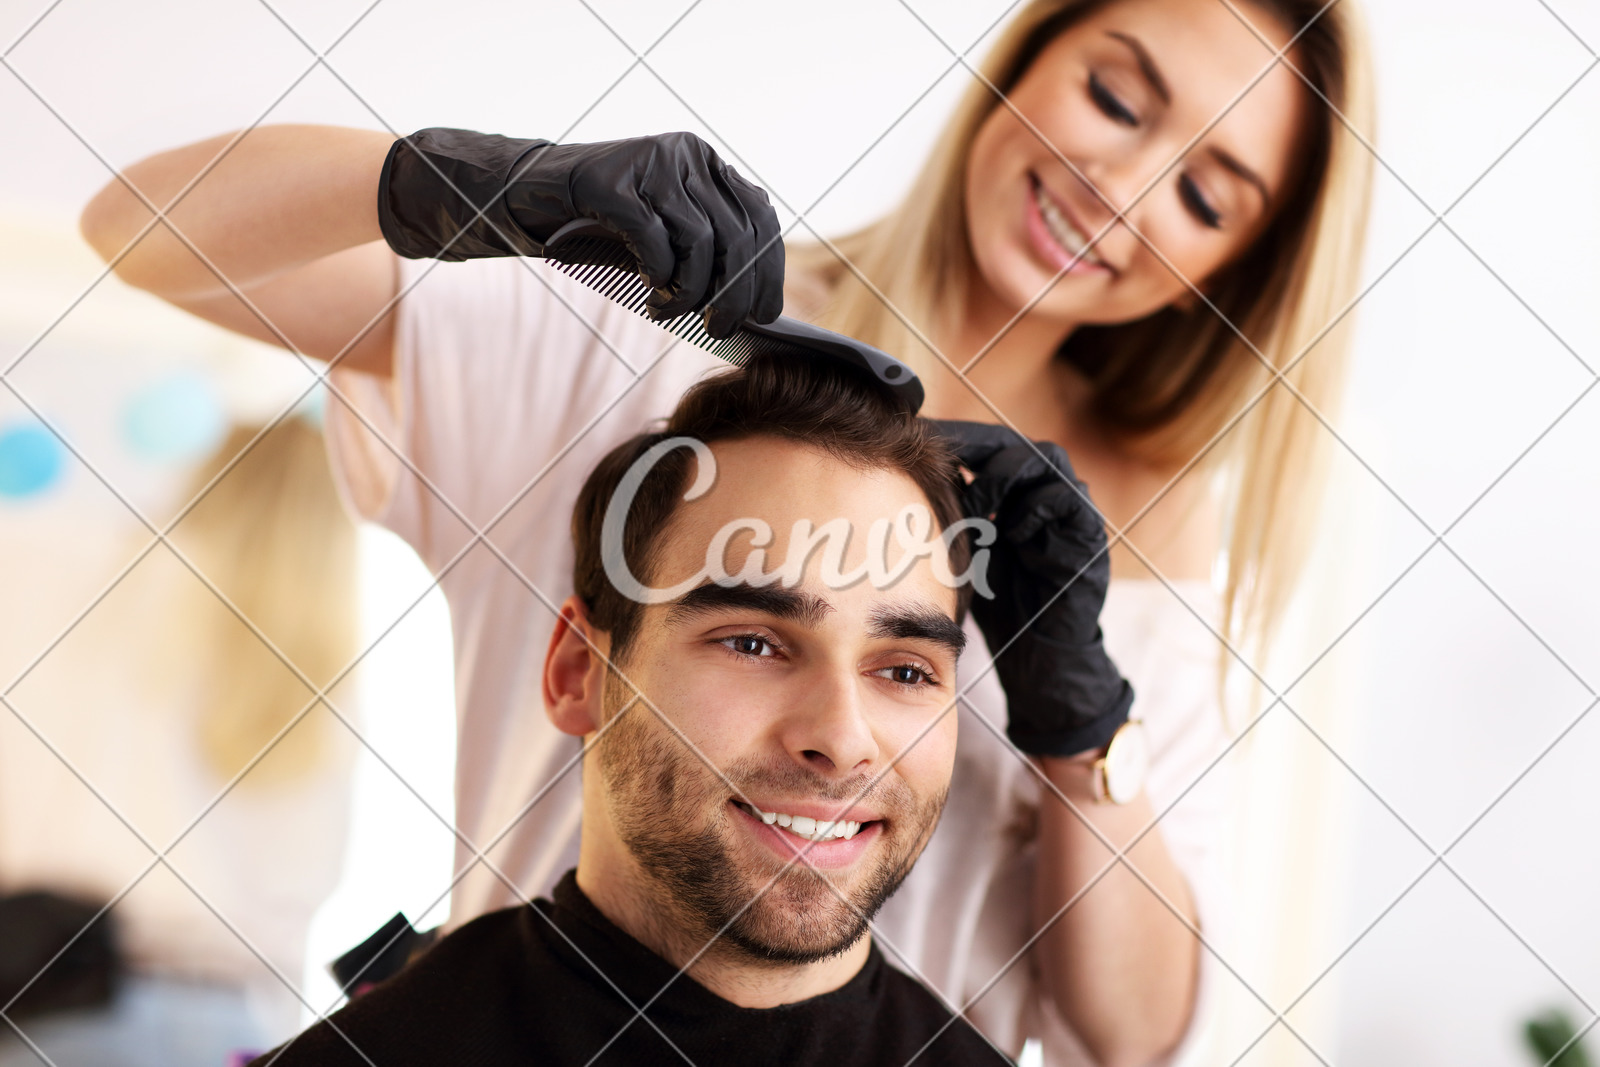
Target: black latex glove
[(1064, 694), (699, 231)]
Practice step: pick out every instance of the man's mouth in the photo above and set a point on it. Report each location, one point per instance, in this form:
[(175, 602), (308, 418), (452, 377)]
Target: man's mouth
[(804, 826)]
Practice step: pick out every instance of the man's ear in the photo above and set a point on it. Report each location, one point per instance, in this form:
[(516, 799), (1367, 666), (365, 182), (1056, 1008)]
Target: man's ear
[(574, 674)]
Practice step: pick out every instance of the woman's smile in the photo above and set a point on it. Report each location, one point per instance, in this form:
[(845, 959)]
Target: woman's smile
[(1063, 244), (1118, 121)]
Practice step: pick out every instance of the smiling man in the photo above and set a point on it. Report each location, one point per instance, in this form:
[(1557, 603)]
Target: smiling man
[(766, 758)]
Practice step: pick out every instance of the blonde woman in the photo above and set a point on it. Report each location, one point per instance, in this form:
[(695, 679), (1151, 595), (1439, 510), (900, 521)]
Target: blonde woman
[(162, 698), (1158, 221)]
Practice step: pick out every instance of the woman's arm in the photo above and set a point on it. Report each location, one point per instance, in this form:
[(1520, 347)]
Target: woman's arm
[(279, 236), (288, 217), (1120, 966)]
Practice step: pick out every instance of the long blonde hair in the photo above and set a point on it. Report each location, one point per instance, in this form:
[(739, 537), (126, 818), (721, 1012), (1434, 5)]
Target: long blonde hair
[(1166, 386), (275, 540)]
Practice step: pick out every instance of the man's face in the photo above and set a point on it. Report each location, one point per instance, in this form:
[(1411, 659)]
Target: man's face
[(817, 706)]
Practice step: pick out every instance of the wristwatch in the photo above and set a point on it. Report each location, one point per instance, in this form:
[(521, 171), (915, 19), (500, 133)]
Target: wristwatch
[(1118, 774)]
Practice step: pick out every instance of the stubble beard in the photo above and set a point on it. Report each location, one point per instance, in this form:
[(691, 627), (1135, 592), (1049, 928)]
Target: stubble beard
[(671, 812)]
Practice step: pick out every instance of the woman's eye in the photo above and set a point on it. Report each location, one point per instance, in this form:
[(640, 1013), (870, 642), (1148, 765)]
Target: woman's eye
[(905, 674), (1109, 103), (749, 645), (1196, 202)]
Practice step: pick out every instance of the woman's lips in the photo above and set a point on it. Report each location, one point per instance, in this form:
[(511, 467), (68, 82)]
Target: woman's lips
[(1057, 237)]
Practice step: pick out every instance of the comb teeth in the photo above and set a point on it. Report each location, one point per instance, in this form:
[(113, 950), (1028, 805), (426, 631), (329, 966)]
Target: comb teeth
[(609, 269), (594, 256)]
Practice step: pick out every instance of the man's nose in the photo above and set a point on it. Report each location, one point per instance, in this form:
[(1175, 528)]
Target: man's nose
[(828, 730)]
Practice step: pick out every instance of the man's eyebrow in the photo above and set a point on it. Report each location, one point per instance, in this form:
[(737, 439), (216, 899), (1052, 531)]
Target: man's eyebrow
[(1147, 65), (1231, 162), (780, 603), (924, 623)]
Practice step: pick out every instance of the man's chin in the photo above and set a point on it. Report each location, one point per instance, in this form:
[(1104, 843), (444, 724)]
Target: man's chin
[(800, 919), (806, 916)]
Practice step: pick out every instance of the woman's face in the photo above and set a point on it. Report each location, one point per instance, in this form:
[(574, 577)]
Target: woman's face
[(1121, 96)]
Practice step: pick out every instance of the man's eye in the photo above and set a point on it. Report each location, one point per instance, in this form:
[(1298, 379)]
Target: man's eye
[(905, 674), (1196, 202), (749, 645), (1109, 103)]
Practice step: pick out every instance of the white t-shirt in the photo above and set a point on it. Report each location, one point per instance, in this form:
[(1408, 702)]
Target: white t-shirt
[(510, 382)]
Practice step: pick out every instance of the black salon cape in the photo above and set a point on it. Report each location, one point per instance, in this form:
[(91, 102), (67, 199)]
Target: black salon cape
[(508, 989)]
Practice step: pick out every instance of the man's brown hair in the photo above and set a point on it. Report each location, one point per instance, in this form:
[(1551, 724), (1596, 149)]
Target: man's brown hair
[(833, 409)]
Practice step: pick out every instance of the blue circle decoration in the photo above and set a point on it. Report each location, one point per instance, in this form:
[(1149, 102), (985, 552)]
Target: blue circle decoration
[(31, 460), (314, 408), (177, 419)]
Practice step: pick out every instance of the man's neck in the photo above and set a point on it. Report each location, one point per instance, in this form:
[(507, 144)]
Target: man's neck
[(718, 965)]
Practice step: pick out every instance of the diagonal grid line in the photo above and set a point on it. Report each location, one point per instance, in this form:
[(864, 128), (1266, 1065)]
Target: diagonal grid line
[(1438, 859), (283, 340), (1560, 1055), (1119, 214), (1119, 858), (801, 857), (22, 1036), (669, 89), (126, 503), (159, 858), (1279, 699), (30, 27), (1438, 219), (1438, 539), (1575, 36), (479, 213), (1278, 373), (160, 216), (320, 698), (1439, 855), (481, 857), (1440, 216), (488, 544)]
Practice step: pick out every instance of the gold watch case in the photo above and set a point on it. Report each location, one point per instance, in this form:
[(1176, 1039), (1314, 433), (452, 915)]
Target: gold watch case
[(1120, 771)]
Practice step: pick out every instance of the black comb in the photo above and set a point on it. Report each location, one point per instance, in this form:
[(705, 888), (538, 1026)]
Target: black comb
[(595, 256)]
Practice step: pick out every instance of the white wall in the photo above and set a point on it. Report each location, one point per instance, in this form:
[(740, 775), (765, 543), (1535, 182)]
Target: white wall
[(1478, 650)]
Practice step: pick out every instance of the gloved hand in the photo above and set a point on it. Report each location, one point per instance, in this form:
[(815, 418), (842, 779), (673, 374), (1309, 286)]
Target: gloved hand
[(691, 221), (1064, 694)]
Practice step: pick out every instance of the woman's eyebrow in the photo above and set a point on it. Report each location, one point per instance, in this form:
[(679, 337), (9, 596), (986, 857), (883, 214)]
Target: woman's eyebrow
[(1231, 162), (1147, 65), (1152, 74)]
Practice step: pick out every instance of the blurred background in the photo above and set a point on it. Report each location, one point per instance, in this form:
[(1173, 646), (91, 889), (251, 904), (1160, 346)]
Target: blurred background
[(1415, 858)]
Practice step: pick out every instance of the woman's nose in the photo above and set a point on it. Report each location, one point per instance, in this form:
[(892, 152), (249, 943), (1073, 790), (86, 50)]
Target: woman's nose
[(1118, 186)]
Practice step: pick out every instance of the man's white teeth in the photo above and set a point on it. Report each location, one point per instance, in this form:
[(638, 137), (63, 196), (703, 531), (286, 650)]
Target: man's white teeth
[(805, 826), (1065, 234)]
